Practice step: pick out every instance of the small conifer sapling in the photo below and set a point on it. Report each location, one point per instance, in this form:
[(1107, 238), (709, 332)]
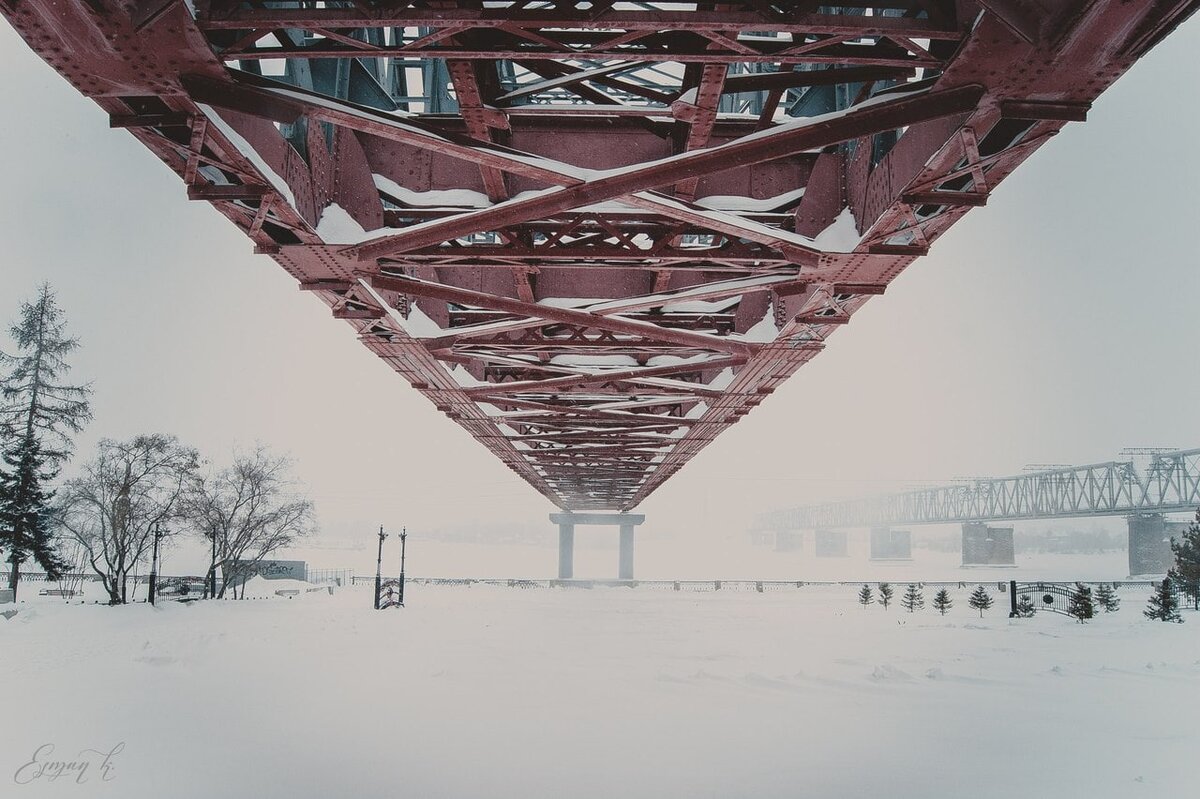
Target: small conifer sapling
[(886, 592), (913, 599), (980, 600), (1164, 605), (1106, 597), (1081, 605), (942, 601)]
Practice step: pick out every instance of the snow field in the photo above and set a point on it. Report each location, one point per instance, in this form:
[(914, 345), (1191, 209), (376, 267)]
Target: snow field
[(501, 692)]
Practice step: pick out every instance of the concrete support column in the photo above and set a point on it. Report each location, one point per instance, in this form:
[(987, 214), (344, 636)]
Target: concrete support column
[(1150, 543), (566, 522), (566, 550), (983, 545), (625, 570)]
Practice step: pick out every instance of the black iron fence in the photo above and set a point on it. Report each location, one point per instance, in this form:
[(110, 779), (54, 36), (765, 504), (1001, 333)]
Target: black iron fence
[(331, 576), (40, 577), (344, 577), (1053, 597), (760, 586)]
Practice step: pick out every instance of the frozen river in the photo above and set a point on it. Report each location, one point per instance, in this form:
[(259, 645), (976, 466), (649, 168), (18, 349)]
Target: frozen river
[(496, 692)]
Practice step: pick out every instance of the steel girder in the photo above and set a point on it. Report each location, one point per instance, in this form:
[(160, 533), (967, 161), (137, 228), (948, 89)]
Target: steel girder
[(1170, 483), (593, 234)]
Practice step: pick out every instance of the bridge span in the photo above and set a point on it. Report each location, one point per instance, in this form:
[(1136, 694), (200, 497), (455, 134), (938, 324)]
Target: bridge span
[(1169, 483), (593, 234)]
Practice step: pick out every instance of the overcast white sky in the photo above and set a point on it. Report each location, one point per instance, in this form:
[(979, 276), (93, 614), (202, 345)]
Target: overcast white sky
[(1056, 325)]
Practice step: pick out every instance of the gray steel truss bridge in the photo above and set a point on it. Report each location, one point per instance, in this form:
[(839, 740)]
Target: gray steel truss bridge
[(1169, 483)]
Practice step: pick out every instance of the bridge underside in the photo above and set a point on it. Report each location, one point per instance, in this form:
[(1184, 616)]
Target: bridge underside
[(593, 234)]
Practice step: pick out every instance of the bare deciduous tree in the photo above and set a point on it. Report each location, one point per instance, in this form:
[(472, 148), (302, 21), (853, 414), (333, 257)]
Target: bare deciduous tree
[(112, 508), (249, 510)]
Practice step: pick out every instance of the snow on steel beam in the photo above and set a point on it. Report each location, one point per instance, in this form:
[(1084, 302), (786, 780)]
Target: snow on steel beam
[(234, 15), (876, 55), (545, 413), (601, 425), (788, 79), (797, 249), (424, 288), (567, 78), (282, 103), (851, 39), (888, 112), (600, 76), (704, 291), (727, 256)]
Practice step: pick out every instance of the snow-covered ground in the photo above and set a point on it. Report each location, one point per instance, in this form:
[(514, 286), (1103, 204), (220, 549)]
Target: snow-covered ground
[(502, 692)]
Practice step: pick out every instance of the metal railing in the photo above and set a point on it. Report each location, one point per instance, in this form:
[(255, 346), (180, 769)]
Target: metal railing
[(759, 586)]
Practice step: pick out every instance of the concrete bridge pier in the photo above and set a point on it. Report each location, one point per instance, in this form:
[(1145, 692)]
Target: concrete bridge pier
[(889, 544), (625, 556), (830, 543), (566, 522), (1150, 537), (566, 550), (984, 545)]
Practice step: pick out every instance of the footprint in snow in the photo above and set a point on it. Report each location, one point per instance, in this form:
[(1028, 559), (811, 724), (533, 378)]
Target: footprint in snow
[(886, 672), (155, 660), (762, 681), (704, 675)]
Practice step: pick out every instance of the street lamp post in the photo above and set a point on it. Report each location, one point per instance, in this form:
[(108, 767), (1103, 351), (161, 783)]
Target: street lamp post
[(154, 564), (379, 567), (403, 537), (212, 568)]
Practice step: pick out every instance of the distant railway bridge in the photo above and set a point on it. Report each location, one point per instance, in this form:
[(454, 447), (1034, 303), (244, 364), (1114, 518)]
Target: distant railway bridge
[(1169, 483)]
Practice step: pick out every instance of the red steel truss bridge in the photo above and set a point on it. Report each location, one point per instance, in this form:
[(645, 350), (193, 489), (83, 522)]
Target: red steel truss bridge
[(594, 234)]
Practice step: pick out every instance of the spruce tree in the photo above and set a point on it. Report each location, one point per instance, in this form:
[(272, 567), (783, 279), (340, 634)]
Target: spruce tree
[(1163, 605), (1025, 607), (1080, 604), (942, 601), (913, 599), (886, 592), (25, 511), (980, 600), (1186, 574), (864, 596), (39, 414), (1106, 597)]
